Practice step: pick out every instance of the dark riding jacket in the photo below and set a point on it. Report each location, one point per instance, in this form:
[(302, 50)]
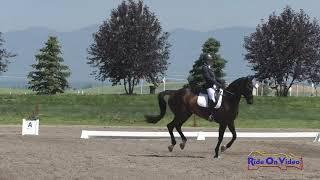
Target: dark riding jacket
[(209, 77)]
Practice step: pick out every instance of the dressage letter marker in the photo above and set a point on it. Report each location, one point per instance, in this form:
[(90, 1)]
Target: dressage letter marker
[(30, 127)]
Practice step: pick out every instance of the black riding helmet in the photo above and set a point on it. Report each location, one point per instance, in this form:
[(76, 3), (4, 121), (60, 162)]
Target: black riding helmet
[(207, 57)]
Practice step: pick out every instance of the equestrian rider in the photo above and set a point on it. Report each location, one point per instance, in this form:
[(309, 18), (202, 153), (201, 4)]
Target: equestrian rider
[(211, 84)]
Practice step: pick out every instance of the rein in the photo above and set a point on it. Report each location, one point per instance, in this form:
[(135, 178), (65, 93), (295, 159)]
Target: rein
[(229, 92)]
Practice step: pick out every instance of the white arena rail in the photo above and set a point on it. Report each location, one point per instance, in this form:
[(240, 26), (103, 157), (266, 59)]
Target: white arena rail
[(131, 134), (199, 135)]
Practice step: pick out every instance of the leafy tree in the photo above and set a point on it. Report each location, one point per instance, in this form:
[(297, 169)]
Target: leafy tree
[(4, 56), (196, 80), (284, 49), (49, 75), (130, 46)]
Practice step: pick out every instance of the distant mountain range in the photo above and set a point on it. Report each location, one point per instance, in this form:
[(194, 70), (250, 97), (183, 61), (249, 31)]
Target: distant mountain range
[(186, 48)]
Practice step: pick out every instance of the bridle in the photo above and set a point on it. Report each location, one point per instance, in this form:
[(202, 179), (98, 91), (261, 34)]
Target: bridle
[(233, 94)]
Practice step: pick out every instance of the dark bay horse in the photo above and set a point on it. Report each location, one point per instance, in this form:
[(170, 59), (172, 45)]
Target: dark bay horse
[(183, 103)]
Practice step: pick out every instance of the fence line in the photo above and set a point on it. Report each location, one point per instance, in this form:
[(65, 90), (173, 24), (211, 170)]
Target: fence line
[(171, 81)]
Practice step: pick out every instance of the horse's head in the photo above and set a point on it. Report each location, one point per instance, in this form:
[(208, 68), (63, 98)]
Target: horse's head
[(242, 87), (247, 88)]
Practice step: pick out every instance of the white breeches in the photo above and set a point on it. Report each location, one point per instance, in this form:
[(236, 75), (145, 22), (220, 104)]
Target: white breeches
[(211, 94)]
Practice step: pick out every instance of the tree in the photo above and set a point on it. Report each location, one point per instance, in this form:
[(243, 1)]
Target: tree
[(49, 75), (284, 49), (4, 56), (130, 46), (195, 79)]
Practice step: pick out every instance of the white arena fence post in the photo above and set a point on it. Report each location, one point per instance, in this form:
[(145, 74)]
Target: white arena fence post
[(290, 90), (317, 139), (164, 83), (141, 86)]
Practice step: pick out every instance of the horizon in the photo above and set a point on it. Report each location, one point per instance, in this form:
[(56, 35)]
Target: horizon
[(97, 25)]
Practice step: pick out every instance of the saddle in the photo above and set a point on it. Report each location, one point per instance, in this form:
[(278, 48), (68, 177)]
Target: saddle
[(203, 99)]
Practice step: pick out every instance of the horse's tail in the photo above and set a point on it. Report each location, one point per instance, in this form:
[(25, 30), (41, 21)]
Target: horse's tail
[(162, 105)]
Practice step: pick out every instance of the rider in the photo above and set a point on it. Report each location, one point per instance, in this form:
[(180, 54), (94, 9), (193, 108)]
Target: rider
[(211, 84)]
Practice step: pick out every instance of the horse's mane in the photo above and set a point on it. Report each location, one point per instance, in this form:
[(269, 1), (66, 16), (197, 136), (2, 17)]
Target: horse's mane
[(235, 84)]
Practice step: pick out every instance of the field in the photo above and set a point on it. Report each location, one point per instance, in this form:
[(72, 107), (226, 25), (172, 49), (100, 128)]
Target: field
[(59, 153), (122, 110)]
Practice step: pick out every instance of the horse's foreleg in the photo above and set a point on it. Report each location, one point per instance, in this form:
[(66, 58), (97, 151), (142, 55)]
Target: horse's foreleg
[(170, 127), (222, 128), (234, 137)]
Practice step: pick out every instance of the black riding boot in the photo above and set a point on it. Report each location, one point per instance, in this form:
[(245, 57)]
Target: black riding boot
[(211, 107)]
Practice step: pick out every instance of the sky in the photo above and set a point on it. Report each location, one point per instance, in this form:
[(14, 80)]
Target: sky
[(200, 15)]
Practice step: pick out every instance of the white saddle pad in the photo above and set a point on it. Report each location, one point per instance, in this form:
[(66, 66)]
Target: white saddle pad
[(202, 100)]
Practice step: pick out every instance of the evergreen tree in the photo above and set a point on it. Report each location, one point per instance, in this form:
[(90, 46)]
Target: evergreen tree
[(195, 79), (49, 75)]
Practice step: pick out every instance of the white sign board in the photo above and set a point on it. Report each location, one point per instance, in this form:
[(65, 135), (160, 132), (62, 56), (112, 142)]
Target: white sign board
[(30, 127)]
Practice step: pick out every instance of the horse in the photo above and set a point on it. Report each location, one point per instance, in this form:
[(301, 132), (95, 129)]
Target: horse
[(183, 103)]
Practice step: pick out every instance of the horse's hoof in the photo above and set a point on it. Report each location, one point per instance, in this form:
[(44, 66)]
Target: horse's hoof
[(216, 157), (182, 145), (170, 148), (223, 148)]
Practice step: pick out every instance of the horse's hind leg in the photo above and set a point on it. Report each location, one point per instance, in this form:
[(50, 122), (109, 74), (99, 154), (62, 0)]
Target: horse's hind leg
[(234, 137), (170, 127), (178, 128), (184, 139)]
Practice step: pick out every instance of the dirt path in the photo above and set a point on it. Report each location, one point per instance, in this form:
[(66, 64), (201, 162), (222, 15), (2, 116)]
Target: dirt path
[(59, 153)]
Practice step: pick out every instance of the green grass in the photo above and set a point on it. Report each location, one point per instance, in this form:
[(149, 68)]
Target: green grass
[(123, 110), (281, 112)]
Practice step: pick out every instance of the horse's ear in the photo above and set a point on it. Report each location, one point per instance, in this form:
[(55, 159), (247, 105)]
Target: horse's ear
[(250, 78)]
